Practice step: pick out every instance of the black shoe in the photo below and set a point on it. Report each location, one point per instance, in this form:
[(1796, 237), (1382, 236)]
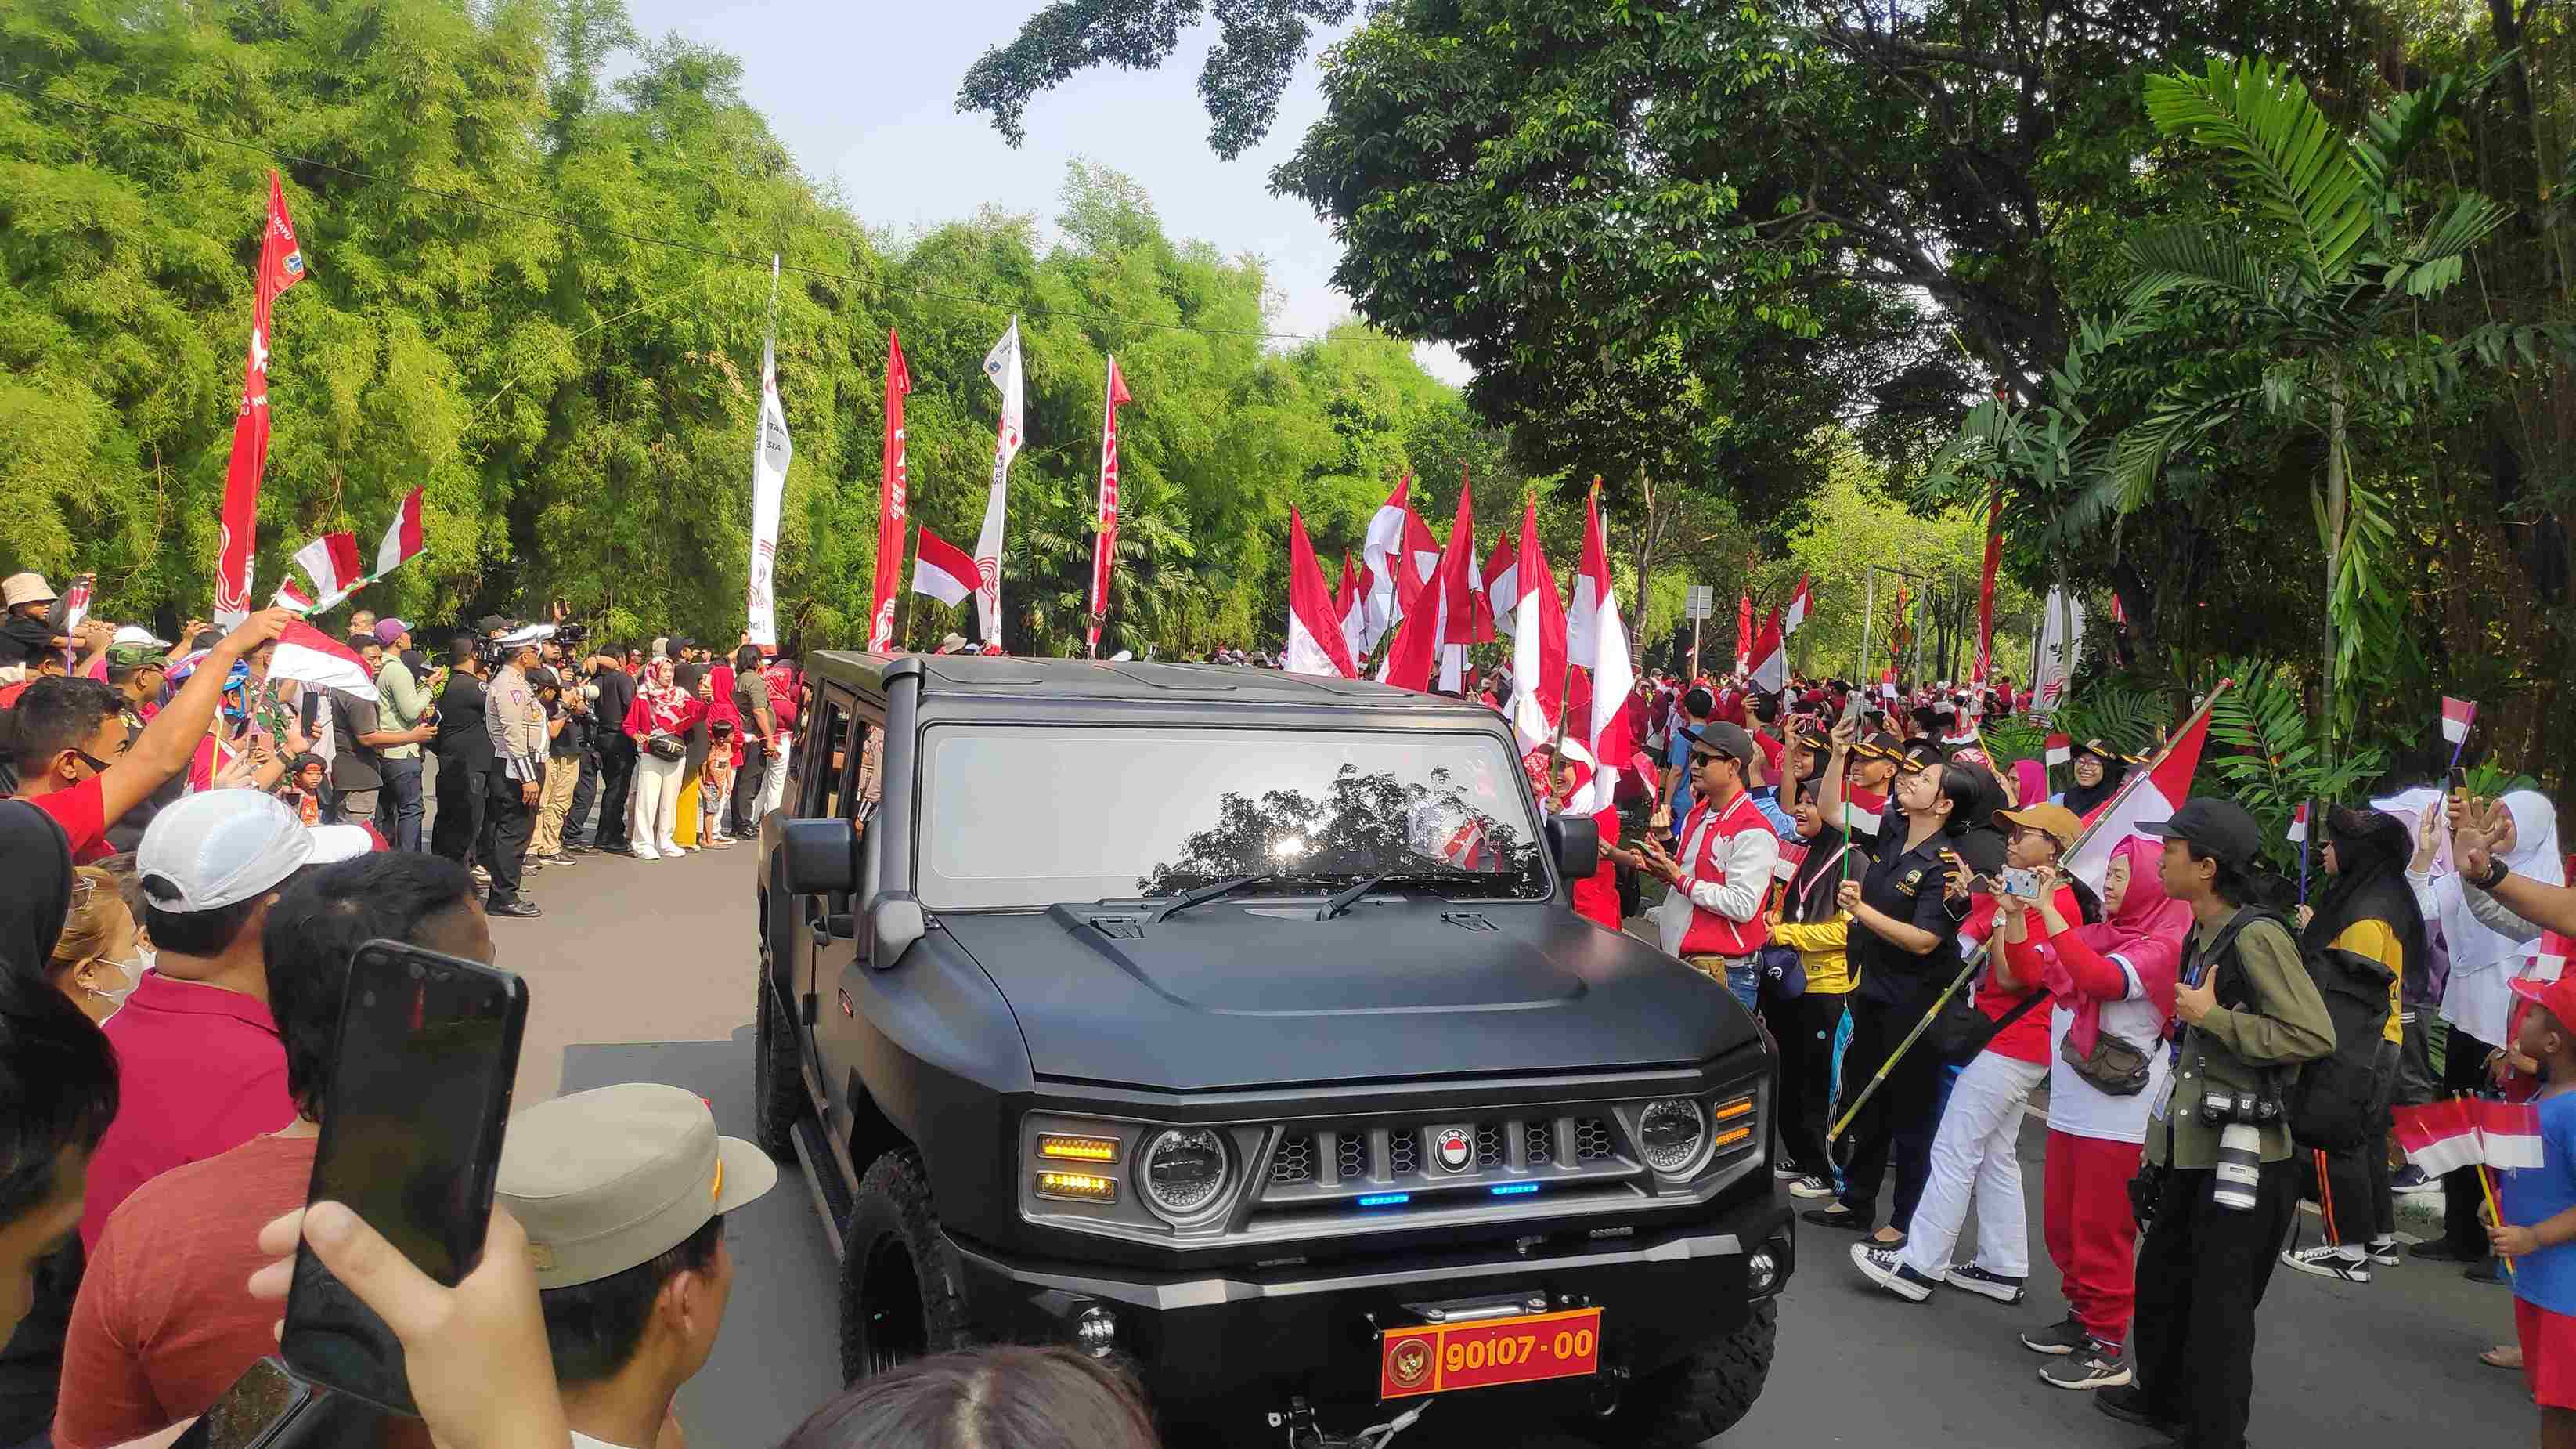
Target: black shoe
[(1839, 1216), (2128, 1404), (525, 910), (2437, 1251), (2486, 1272)]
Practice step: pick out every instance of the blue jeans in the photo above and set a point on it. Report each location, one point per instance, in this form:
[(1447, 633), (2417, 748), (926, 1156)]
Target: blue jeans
[(398, 807), (1745, 981)]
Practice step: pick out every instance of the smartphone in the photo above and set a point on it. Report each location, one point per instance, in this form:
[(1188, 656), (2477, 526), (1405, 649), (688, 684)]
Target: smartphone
[(411, 1139), (259, 1410)]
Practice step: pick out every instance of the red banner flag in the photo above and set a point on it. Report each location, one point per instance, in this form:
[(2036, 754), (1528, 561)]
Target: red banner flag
[(894, 500), (1108, 546), (1743, 632), (1986, 587), (281, 265)]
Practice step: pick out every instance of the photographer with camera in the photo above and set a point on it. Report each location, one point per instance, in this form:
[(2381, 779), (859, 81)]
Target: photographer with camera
[(2219, 1189)]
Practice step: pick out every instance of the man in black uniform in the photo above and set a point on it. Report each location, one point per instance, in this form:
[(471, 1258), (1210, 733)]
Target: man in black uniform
[(616, 753), (464, 756)]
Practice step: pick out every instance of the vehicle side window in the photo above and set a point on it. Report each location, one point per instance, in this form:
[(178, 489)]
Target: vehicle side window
[(822, 775)]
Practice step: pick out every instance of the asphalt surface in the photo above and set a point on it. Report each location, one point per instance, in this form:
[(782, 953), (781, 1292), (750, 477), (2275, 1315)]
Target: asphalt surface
[(642, 971)]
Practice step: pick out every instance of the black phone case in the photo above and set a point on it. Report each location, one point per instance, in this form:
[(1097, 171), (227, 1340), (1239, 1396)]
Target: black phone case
[(310, 1276)]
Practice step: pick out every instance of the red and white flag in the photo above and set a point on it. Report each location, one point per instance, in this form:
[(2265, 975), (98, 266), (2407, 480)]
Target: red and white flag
[(1538, 643), (2298, 834), (1465, 616), (1351, 605), (281, 265), (402, 540), (1798, 605), (2147, 796), (1382, 547), (309, 656), (1314, 633), (331, 562), (942, 570), (2456, 715), (1887, 685), (2508, 1132), (76, 602), (1002, 365), (1424, 551), (1598, 643), (1106, 551), (2057, 750), (1771, 656), (2438, 1136), (894, 499), (1502, 581), (291, 597), (1743, 633), (2548, 958)]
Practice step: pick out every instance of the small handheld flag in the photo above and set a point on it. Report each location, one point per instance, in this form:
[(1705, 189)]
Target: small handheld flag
[(942, 570), (2060, 750), (2456, 717), (2508, 1132), (2438, 1136)]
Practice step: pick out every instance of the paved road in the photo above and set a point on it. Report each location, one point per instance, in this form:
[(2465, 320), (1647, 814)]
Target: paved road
[(641, 971)]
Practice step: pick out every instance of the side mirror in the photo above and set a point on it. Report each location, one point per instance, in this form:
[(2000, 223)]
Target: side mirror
[(820, 855), (1575, 841), (898, 921)]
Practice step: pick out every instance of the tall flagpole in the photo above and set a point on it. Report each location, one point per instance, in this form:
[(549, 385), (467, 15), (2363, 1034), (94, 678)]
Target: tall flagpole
[(771, 451)]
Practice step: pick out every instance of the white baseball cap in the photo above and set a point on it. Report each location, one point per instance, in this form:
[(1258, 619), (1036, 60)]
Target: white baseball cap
[(218, 848), (137, 634)]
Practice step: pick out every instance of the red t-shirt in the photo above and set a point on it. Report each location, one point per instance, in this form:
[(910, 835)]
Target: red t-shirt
[(165, 1321), (2025, 1040), (200, 1072), (82, 813), (781, 679)]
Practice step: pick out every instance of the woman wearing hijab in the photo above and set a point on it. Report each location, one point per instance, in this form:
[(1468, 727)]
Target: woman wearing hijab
[(1805, 919), (2098, 770), (659, 722), (2112, 992), (2478, 999), (2368, 909)]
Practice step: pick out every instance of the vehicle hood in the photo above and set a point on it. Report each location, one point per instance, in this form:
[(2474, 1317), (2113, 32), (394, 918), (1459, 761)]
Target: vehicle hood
[(1227, 996)]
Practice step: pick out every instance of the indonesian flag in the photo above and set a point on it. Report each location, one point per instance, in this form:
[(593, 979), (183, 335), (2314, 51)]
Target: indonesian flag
[(331, 562), (1887, 689), (2456, 714), (1107, 550), (1381, 548), (2298, 834), (2439, 1137), (2059, 750), (1743, 633), (309, 656), (1771, 657), (1314, 635), (942, 570), (1351, 604), (1424, 551), (1465, 616), (1502, 581), (1798, 603), (291, 597), (894, 499), (2548, 958), (1538, 643), (401, 542), (1002, 365), (281, 265), (2147, 796), (1598, 642), (2508, 1132)]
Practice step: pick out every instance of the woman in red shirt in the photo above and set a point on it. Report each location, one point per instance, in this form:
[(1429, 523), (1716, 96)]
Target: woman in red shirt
[(659, 722), (1974, 1149), (1596, 896)]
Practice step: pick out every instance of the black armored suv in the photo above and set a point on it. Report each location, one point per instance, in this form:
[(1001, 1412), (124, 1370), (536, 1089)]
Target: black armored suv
[(1235, 1024)]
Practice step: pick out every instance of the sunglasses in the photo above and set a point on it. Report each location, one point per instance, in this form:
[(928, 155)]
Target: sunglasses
[(96, 765)]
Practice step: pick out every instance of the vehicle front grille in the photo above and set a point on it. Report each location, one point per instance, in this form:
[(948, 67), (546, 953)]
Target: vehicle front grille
[(1295, 1159), (1489, 1144), (1354, 1153), (1539, 1145), (1403, 1153), (1330, 1166), (1592, 1139)]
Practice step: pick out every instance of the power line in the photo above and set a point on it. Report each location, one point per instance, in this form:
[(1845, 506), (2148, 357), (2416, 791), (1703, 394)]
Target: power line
[(642, 239)]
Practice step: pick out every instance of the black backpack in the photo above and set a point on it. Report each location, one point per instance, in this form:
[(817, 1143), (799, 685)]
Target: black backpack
[(2327, 1101)]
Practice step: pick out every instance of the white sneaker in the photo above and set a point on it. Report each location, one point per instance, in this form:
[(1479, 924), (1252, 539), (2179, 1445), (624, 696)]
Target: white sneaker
[(646, 852), (1811, 1188), (672, 848), (1883, 1266), (2382, 1251), (2328, 1261)]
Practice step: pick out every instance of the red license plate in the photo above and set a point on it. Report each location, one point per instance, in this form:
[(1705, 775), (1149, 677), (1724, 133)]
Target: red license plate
[(1443, 1357)]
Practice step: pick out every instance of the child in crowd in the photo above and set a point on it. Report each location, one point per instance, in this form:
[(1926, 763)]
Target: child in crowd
[(303, 787), (2539, 1205)]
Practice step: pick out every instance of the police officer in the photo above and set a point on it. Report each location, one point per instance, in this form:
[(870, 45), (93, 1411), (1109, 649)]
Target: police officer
[(2218, 1147), (517, 724)]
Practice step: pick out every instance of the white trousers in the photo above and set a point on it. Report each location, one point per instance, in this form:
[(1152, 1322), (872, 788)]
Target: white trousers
[(774, 789), (657, 799), (1973, 1149)]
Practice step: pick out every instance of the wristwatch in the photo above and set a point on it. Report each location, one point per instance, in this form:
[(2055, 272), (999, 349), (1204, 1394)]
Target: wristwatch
[(2496, 872)]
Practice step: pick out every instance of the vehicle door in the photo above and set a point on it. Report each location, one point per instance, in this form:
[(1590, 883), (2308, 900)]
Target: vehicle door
[(838, 956), (825, 779)]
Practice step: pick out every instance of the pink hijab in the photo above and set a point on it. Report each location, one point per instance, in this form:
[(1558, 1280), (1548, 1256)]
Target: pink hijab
[(2030, 783), (2147, 931)]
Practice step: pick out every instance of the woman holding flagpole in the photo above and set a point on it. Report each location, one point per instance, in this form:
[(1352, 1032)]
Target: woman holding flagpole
[(659, 723)]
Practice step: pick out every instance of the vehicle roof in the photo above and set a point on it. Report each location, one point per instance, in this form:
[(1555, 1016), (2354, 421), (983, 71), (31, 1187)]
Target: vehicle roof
[(977, 676)]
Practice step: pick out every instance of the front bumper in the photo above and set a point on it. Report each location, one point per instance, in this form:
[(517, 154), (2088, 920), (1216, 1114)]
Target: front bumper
[(1226, 1348)]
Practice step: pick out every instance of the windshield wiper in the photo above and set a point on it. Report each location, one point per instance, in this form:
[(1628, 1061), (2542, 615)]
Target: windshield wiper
[(1207, 893), (1343, 899)]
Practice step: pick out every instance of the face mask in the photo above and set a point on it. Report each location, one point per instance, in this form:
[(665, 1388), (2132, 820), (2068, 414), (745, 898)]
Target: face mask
[(133, 970)]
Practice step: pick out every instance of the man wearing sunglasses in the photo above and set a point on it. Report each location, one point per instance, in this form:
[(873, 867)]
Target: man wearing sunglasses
[(1713, 920), (79, 763)]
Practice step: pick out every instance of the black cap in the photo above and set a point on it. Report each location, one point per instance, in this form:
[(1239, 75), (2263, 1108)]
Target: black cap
[(497, 624), (1720, 737), (2221, 829)]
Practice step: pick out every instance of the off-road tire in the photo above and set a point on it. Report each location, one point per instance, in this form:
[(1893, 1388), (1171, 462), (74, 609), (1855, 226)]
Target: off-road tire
[(777, 1084), (1703, 1395), (895, 1228)]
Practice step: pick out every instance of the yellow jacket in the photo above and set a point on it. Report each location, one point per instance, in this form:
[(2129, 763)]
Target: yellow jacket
[(1823, 946)]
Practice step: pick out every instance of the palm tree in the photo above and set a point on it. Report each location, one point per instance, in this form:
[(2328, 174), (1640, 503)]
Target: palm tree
[(2314, 284)]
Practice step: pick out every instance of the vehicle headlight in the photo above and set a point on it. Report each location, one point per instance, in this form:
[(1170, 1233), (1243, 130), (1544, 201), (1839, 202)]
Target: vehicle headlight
[(1184, 1171), (1671, 1133)]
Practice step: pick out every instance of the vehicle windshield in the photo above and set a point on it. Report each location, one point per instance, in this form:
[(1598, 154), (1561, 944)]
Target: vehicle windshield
[(1017, 817)]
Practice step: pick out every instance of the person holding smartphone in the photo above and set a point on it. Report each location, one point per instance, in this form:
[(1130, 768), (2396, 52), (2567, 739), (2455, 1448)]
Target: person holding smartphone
[(164, 1322)]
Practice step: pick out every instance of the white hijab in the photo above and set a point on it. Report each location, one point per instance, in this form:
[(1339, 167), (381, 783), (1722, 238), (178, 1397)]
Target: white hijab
[(2473, 944)]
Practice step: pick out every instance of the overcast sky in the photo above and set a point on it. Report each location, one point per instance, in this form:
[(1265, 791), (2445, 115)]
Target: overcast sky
[(865, 95)]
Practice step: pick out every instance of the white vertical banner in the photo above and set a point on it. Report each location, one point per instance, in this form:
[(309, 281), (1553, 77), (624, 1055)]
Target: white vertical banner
[(770, 453), (2061, 645), (1002, 365)]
